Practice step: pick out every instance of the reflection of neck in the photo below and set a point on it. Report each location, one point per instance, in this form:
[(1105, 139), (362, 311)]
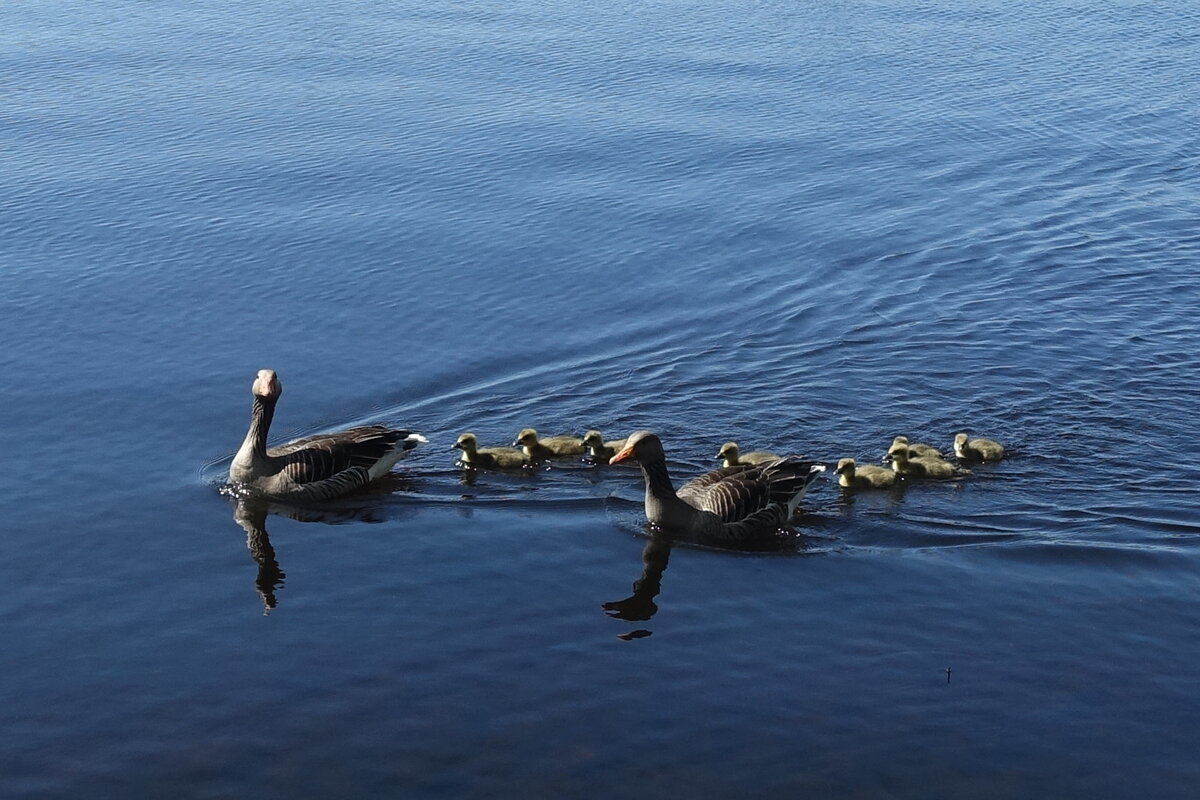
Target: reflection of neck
[(253, 519)]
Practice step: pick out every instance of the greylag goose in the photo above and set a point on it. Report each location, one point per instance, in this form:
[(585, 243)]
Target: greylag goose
[(551, 447), (316, 467), (867, 476), (977, 449), (733, 505), (600, 449), (476, 456), (915, 450), (730, 456), (905, 464)]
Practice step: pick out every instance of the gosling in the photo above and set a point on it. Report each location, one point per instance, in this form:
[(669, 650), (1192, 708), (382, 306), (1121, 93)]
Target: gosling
[(923, 467), (917, 450), (551, 447), (601, 450), (475, 456), (730, 456), (977, 449), (867, 476)]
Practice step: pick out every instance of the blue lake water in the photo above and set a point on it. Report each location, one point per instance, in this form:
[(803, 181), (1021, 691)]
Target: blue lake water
[(804, 226)]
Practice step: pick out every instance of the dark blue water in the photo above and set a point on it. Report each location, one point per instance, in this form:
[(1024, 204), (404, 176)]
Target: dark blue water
[(807, 227)]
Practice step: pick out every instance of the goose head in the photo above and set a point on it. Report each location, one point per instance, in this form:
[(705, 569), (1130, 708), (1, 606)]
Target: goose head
[(728, 452), (267, 385), (643, 447)]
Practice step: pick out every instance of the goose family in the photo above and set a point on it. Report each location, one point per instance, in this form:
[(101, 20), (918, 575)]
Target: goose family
[(476, 456), (537, 449), (732, 505), (977, 449), (747, 500), (600, 449), (319, 467), (730, 456)]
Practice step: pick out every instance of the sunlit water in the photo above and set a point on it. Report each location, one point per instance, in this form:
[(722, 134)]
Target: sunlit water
[(807, 227)]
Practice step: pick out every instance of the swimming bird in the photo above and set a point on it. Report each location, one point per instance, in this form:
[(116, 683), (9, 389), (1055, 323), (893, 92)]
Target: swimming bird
[(600, 449), (924, 467), (915, 450), (737, 505), (730, 456), (551, 447), (317, 467), (977, 449), (476, 456), (852, 476)]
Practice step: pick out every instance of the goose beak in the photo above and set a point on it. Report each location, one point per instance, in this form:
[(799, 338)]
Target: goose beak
[(624, 455)]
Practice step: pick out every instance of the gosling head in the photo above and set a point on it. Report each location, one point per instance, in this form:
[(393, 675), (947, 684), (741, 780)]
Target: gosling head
[(526, 438), (267, 385), (593, 439), (960, 439), (728, 452), (845, 467), (467, 443)]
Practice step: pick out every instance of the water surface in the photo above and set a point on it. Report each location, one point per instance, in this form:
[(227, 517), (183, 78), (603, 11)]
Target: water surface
[(805, 227)]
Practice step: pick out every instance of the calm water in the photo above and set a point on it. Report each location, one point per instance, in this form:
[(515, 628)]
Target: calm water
[(805, 226)]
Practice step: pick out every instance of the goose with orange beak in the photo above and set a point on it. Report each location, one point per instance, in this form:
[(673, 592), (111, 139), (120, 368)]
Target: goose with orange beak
[(740, 505)]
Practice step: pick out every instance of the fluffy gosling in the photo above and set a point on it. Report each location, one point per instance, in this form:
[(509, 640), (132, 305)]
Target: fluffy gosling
[(551, 447), (923, 467), (977, 449), (599, 449), (917, 450), (476, 456), (852, 476), (730, 456)]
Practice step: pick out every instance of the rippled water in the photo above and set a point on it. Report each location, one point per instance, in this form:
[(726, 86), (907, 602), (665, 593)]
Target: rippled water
[(807, 227)]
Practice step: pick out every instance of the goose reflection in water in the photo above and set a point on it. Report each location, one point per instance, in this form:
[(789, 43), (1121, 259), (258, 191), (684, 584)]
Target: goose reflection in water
[(250, 513), (640, 605)]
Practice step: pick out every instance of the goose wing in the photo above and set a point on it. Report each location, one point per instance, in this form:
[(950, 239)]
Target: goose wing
[(731, 493), (693, 491), (756, 495), (329, 464)]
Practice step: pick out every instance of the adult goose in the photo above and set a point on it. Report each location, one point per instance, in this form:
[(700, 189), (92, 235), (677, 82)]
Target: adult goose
[(730, 456), (475, 456), (738, 505), (551, 447), (865, 476), (969, 449), (905, 464), (600, 449), (317, 467)]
